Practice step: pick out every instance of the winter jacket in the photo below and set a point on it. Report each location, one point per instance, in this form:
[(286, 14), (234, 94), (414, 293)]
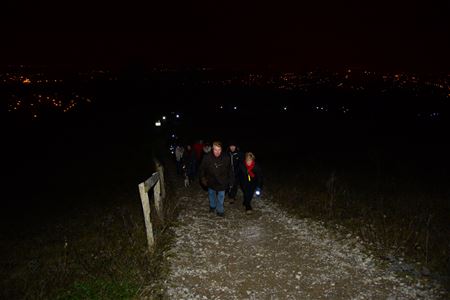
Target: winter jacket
[(179, 153), (198, 150), (254, 182), (188, 157), (215, 172), (237, 159)]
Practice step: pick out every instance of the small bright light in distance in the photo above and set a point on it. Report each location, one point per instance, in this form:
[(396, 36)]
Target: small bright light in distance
[(285, 108), (235, 107), (177, 116), (158, 123), (164, 117), (173, 135)]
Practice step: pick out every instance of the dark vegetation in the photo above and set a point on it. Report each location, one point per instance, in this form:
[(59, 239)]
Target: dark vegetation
[(72, 222), (392, 200)]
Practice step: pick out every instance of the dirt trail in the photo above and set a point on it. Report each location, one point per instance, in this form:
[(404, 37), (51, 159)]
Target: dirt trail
[(271, 255)]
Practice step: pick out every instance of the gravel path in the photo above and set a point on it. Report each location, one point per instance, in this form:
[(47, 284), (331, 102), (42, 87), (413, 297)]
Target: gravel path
[(271, 255)]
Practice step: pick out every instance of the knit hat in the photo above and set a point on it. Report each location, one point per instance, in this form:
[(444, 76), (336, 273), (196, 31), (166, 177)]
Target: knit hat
[(232, 143)]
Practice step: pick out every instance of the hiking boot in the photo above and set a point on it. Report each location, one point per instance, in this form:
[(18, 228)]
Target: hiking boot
[(231, 200), (221, 214), (212, 209)]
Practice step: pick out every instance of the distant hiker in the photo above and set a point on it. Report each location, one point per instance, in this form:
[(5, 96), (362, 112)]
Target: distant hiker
[(179, 151), (189, 161), (236, 158), (198, 150), (216, 175), (250, 179), (206, 149)]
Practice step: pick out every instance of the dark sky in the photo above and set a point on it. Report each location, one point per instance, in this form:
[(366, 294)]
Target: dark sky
[(399, 35)]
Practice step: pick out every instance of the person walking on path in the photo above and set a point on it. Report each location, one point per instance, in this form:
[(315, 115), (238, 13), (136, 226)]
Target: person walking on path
[(206, 149), (236, 158), (197, 147), (179, 151), (216, 175), (250, 179), (189, 162)]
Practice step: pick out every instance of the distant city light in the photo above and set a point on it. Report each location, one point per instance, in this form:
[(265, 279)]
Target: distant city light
[(321, 108), (434, 115), (348, 79)]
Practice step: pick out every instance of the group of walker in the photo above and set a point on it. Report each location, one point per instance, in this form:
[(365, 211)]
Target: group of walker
[(222, 172)]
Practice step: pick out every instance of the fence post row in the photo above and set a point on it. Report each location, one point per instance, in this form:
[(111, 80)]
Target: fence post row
[(156, 181)]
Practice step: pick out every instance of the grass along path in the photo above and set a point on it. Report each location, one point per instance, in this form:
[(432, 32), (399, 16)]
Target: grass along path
[(272, 255)]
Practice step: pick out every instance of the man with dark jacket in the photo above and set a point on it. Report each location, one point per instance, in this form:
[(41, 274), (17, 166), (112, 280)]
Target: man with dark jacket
[(236, 158), (216, 175)]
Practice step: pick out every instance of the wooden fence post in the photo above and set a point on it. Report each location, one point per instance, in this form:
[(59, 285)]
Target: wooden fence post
[(146, 209), (161, 177), (158, 202), (160, 190), (156, 181)]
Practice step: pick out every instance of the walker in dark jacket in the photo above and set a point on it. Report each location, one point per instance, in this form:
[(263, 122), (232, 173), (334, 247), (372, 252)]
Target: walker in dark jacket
[(236, 158), (189, 162), (216, 174), (249, 184)]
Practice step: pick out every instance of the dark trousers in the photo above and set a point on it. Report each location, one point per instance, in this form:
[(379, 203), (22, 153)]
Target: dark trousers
[(248, 196), (233, 191), (190, 170), (179, 164)]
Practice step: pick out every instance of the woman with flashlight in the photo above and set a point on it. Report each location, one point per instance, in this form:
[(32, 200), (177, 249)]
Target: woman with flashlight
[(250, 179)]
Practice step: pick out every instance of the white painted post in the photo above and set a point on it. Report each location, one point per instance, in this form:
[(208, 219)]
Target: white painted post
[(146, 209)]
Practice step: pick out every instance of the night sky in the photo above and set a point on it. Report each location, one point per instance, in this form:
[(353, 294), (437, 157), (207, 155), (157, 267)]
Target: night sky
[(404, 35)]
